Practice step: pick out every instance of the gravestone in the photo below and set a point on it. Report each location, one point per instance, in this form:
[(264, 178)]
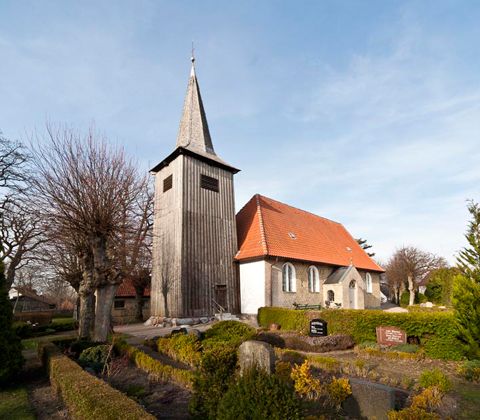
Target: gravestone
[(318, 328), (256, 354), (391, 336), (373, 401)]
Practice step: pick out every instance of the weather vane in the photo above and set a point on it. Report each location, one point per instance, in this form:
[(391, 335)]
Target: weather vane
[(193, 54)]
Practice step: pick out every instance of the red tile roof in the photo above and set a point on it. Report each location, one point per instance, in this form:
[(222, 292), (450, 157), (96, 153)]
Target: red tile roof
[(269, 228), (126, 289)]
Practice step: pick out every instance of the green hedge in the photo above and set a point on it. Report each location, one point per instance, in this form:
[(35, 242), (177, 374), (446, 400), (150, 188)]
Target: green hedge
[(86, 396), (153, 366), (26, 330), (436, 331)]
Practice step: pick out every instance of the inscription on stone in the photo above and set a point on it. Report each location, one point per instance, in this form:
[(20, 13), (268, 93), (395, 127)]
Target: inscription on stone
[(390, 336), (318, 328)]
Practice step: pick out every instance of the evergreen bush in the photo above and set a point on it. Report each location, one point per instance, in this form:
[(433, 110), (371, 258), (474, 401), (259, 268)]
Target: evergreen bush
[(435, 378), (212, 380), (11, 359), (232, 333), (470, 370), (185, 348), (94, 357), (466, 289), (258, 396)]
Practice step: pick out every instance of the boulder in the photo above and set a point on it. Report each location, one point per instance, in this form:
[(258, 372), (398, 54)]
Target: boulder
[(257, 354), (428, 305)]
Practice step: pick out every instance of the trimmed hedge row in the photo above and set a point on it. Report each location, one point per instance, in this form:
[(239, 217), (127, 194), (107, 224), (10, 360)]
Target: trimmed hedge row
[(86, 396), (436, 331), (153, 366), (26, 330)]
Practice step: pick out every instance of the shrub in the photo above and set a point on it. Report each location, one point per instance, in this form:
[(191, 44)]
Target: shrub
[(434, 377), (86, 396), (23, 329), (305, 384), (257, 395), (437, 331), (466, 301), (470, 370), (94, 357), (184, 348), (405, 348), (466, 287), (405, 298), (231, 333), (338, 391), (327, 363), (211, 381), (11, 360), (292, 357), (155, 367), (283, 370), (368, 345), (422, 406)]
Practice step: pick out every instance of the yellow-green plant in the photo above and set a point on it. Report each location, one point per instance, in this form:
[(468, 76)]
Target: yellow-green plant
[(338, 390), (306, 386)]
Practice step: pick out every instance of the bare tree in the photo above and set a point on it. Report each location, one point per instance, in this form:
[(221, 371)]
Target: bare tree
[(409, 266), (83, 187), (20, 225), (134, 245), (12, 160)]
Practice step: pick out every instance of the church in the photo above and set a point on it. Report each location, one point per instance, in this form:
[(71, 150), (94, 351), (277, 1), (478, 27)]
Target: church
[(207, 259)]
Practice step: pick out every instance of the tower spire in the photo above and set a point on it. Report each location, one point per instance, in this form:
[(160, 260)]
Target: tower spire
[(193, 133)]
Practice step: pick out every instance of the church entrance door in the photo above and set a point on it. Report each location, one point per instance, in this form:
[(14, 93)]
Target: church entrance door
[(221, 295)]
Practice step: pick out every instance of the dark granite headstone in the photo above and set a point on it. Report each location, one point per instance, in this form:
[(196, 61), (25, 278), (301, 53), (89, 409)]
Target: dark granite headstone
[(318, 328)]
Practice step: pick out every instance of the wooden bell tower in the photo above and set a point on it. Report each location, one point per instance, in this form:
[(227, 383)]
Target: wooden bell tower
[(195, 236)]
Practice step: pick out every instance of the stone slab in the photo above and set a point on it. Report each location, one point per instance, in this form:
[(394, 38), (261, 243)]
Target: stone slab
[(258, 354), (373, 401)]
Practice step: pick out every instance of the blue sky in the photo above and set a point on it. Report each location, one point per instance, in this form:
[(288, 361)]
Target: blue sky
[(365, 112)]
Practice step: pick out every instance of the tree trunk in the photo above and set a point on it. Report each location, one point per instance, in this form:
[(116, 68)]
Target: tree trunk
[(411, 288), (139, 303), (86, 314), (103, 310), (165, 303)]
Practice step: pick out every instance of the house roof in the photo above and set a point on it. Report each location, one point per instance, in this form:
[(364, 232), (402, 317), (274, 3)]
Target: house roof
[(126, 289), (18, 291), (193, 134), (267, 227)]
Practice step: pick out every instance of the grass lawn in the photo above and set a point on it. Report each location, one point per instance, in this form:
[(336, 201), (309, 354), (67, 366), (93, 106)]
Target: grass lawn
[(14, 404)]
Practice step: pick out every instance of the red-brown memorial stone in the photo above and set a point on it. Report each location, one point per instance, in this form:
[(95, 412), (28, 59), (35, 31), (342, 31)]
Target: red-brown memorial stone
[(390, 336)]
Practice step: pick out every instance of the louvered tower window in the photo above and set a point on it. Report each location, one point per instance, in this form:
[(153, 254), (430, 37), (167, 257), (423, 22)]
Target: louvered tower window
[(167, 183), (209, 183)]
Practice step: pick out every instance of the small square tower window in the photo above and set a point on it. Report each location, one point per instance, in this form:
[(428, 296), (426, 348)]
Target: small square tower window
[(209, 183), (167, 183)]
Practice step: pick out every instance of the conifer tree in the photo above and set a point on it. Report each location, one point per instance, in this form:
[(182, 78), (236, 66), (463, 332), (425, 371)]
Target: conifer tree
[(466, 292), (11, 359)]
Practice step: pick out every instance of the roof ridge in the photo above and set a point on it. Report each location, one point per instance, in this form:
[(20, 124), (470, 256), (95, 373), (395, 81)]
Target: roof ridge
[(262, 227), (303, 211)]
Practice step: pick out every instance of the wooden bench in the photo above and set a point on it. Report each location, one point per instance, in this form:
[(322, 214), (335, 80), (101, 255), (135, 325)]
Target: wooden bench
[(303, 307)]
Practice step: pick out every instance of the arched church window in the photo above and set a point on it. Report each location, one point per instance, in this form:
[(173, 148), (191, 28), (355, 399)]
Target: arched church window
[(288, 278), (368, 283), (313, 280), (330, 296)]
